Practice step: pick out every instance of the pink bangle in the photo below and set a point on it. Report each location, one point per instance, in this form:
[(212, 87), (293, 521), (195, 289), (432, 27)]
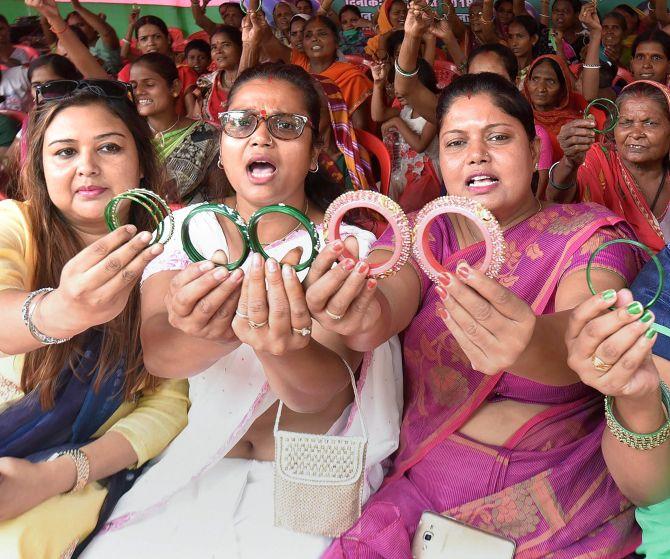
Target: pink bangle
[(483, 218), (391, 211)]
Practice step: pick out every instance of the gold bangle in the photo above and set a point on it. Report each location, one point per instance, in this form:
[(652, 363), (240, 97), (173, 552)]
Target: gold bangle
[(81, 463)]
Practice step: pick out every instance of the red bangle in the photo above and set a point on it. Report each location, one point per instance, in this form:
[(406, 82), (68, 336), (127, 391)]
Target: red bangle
[(58, 32)]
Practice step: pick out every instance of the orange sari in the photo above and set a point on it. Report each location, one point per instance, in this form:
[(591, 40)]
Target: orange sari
[(384, 25), (353, 84)]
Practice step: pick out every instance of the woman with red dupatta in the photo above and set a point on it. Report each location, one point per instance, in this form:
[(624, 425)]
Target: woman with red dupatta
[(629, 176), (549, 88), (497, 431)]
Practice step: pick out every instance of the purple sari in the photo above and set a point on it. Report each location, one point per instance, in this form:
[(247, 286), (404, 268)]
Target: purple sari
[(547, 487)]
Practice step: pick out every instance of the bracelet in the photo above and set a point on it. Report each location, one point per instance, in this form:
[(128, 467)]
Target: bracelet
[(258, 9), (403, 73), (248, 232), (639, 441), (230, 214), (591, 66), (59, 31), (555, 184), (27, 310), (157, 208), (651, 253), (610, 107), (81, 463), (295, 213), (390, 210), (483, 218)]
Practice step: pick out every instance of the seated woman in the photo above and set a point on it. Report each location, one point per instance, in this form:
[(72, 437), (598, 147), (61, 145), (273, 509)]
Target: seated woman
[(611, 351), (651, 57), (71, 371), (614, 33), (497, 431), (630, 176), (355, 30), (346, 163), (188, 148), (152, 36), (320, 41), (211, 492), (523, 34), (213, 88)]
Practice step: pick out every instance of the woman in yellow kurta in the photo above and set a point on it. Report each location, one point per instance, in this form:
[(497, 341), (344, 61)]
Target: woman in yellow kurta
[(71, 371)]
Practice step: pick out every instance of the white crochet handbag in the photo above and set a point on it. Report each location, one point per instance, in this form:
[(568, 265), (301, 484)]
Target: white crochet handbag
[(318, 479)]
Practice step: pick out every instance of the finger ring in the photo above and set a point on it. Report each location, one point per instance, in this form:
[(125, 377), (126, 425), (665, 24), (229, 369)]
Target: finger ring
[(600, 365), (241, 314), (257, 325), (302, 331), (333, 316)]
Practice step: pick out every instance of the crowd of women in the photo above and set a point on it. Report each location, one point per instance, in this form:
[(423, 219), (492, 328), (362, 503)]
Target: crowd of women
[(254, 402)]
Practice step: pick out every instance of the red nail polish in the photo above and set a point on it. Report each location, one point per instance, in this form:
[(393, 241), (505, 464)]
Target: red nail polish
[(337, 245), (463, 270), (446, 280), (371, 283), (348, 264), (443, 314), (441, 292), (362, 267)]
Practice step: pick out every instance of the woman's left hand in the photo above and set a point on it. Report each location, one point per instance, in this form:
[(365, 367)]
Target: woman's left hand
[(275, 320), (490, 323), (23, 486)]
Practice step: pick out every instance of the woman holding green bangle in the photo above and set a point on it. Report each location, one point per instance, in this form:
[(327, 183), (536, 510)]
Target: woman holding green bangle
[(629, 175), (612, 352), (246, 340)]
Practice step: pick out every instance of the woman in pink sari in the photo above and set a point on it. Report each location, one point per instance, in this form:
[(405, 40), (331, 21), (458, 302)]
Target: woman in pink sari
[(497, 431)]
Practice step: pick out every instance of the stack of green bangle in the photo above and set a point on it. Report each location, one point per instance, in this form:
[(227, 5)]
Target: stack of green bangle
[(152, 203), (249, 232), (610, 107), (639, 441)]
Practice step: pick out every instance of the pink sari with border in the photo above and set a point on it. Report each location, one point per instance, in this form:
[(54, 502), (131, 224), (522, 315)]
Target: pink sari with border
[(547, 487)]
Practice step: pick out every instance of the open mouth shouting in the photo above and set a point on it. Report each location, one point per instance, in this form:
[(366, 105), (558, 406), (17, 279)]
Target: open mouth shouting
[(261, 170), (481, 183)]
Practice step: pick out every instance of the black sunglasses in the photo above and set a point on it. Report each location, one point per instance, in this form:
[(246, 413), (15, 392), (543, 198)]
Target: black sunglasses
[(60, 89)]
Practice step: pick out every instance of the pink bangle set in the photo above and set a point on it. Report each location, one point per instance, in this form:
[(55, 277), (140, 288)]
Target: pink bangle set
[(416, 241)]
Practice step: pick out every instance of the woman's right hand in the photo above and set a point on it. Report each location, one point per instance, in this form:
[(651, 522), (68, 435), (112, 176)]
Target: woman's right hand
[(380, 71), (202, 301), (46, 8), (133, 16), (342, 298), (419, 19), (576, 138), (95, 285)]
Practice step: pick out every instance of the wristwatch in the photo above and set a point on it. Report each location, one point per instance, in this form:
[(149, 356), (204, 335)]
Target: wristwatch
[(81, 462)]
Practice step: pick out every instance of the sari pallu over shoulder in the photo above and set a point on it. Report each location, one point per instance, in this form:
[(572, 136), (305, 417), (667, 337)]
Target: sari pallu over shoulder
[(525, 489)]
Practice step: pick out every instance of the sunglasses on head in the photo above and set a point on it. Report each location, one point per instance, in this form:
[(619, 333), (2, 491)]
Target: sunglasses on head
[(60, 89), (283, 126)]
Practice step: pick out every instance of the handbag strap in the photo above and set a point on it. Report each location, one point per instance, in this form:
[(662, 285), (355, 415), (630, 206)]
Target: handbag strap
[(356, 399)]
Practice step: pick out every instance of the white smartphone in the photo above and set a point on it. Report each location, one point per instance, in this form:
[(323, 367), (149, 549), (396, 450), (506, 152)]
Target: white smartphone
[(443, 537)]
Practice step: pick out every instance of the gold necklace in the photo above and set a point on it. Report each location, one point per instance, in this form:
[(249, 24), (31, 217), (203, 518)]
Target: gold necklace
[(163, 132)]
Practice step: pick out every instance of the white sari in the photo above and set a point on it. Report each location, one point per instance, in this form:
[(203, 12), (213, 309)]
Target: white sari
[(193, 502)]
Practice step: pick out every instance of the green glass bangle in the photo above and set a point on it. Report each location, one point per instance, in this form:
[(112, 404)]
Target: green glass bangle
[(244, 8), (555, 184), (610, 107), (639, 441), (651, 253), (295, 213), (155, 206), (403, 73), (228, 213)]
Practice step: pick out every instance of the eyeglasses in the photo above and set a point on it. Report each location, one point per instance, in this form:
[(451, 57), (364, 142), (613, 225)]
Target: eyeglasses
[(60, 89), (283, 126)]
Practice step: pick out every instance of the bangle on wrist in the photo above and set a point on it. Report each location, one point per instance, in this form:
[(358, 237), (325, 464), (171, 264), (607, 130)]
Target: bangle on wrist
[(81, 463), (554, 184), (28, 310), (640, 441), (58, 31), (403, 73), (591, 66)]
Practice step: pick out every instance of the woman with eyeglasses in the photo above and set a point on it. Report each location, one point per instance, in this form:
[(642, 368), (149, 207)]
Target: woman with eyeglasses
[(78, 408), (244, 346), (187, 147)]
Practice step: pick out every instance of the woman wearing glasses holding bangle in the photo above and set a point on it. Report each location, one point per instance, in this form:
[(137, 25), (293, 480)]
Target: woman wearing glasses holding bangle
[(77, 406), (245, 339)]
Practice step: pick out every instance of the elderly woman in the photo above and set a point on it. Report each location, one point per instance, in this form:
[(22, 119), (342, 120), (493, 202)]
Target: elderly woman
[(245, 347), (497, 431), (73, 382), (629, 176)]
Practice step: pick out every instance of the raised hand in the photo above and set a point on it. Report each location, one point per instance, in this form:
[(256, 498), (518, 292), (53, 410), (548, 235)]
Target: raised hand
[(419, 19), (589, 17), (576, 138), (46, 8), (380, 71), (202, 299), (611, 350), (490, 323)]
